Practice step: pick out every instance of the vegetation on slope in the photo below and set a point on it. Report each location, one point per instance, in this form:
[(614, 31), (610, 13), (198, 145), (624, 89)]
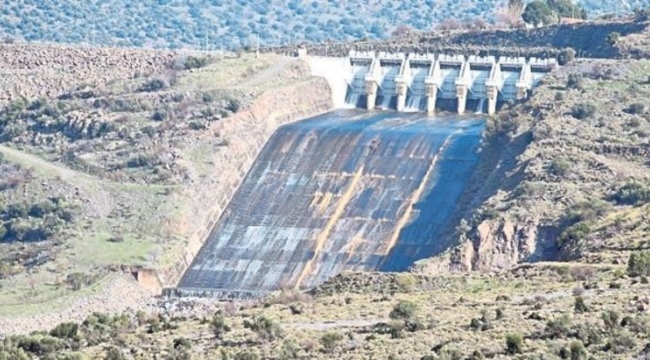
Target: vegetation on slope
[(531, 312), (572, 174), (233, 25), (98, 176)]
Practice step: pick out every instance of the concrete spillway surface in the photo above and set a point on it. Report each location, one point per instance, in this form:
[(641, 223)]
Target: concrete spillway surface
[(417, 91), (386, 96), (344, 190)]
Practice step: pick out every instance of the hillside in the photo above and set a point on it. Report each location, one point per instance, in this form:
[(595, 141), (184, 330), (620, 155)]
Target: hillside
[(116, 162), (102, 170), (213, 25)]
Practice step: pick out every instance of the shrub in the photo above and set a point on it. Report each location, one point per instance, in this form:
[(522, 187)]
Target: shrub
[(67, 330), (154, 85), (193, 62), (113, 353), (143, 160), (182, 342), (289, 350), (610, 319), (234, 105), (566, 56), (514, 344), (612, 38), (219, 326), (632, 193), (575, 232), (558, 327), (574, 81), (246, 355), (406, 282), (330, 340), (620, 342), (403, 310), (159, 115), (636, 108), (579, 305), (265, 328), (499, 314), (560, 167), (638, 264), (583, 111)]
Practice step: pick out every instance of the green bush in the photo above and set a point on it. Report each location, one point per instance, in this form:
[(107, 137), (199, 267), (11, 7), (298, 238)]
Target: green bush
[(113, 353), (610, 319), (330, 340), (219, 326), (579, 305), (620, 342), (612, 38), (154, 85), (558, 328), (247, 355), (566, 56), (265, 328), (514, 344), (575, 232), (66, 330), (560, 167), (638, 264), (575, 81), (583, 111), (404, 309), (632, 193)]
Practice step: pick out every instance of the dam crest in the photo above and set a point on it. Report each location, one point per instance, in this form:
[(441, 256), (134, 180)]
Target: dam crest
[(420, 82)]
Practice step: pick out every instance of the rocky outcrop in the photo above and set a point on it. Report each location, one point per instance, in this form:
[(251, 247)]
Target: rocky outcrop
[(497, 244)]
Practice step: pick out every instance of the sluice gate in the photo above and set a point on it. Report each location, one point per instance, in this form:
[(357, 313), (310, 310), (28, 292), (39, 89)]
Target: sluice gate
[(415, 82)]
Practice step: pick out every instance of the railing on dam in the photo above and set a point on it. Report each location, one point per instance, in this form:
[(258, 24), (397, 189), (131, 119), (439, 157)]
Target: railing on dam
[(416, 82)]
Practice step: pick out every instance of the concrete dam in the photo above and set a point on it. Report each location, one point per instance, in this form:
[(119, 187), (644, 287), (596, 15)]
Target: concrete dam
[(351, 189), (423, 82)]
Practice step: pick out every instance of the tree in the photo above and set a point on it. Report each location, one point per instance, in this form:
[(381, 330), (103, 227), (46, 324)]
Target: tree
[(566, 8), (538, 12)]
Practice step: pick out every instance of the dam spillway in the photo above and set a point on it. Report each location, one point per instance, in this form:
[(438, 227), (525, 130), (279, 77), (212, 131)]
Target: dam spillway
[(419, 82), (347, 190)]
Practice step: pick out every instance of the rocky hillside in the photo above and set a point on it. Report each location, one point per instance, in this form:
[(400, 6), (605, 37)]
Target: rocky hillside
[(567, 173)]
